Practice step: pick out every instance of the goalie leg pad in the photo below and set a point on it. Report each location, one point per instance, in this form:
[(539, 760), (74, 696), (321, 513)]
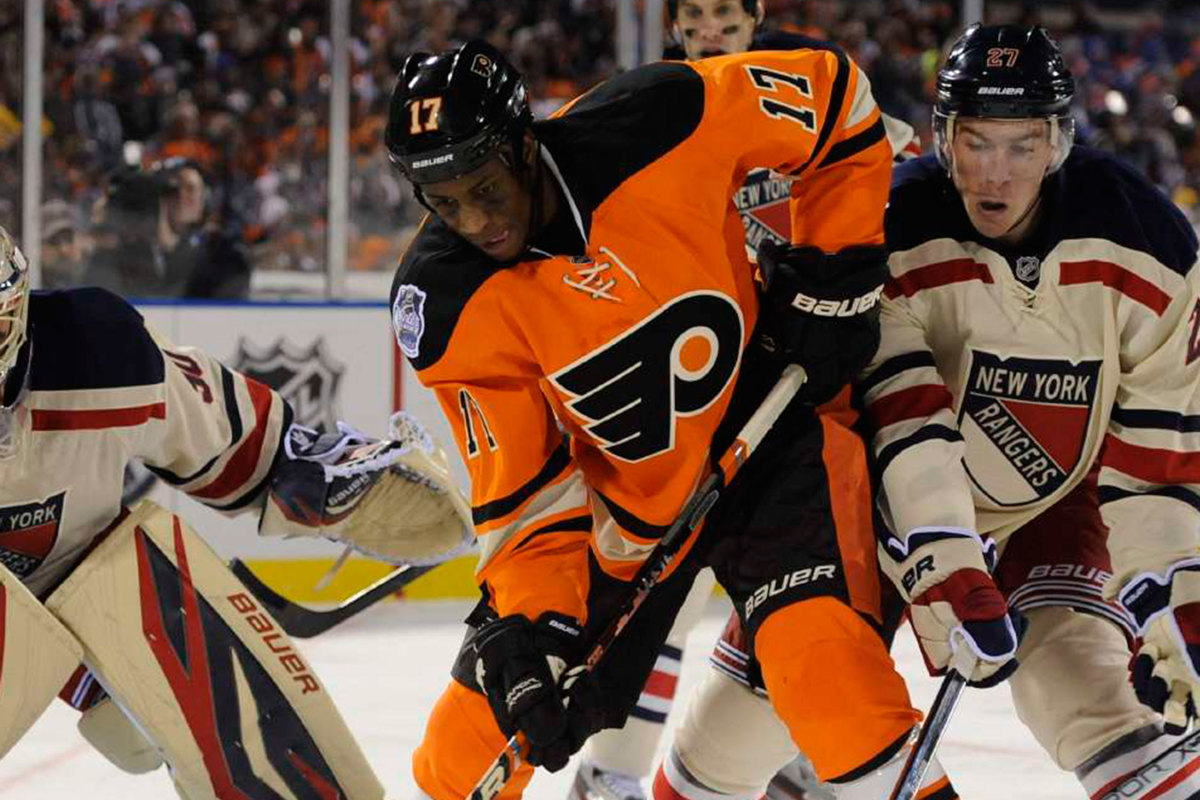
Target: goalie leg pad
[(37, 656), (118, 738), (212, 680), (1072, 690)]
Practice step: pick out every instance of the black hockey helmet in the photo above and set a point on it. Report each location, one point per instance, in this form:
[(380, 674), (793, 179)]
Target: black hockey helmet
[(751, 7), (1005, 72), (450, 112)]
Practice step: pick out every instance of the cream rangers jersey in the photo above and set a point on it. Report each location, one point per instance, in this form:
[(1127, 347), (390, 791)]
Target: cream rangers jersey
[(1003, 377), (100, 389)]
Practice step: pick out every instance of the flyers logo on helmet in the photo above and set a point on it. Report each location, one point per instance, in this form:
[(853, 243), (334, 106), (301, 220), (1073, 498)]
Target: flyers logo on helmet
[(675, 363)]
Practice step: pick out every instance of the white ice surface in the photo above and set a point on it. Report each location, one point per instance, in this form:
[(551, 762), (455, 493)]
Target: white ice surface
[(386, 669)]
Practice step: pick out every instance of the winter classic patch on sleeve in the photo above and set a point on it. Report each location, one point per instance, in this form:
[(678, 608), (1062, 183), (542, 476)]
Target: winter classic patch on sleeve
[(408, 318)]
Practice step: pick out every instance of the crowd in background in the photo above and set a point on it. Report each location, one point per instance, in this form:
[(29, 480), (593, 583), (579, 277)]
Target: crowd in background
[(238, 90)]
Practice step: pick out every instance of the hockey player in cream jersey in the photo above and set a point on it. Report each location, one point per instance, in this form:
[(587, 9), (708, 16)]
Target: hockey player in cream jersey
[(1036, 392), (125, 612)]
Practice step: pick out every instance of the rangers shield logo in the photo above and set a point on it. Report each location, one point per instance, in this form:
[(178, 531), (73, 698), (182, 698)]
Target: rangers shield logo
[(306, 377), (763, 203), (28, 532), (1025, 422)]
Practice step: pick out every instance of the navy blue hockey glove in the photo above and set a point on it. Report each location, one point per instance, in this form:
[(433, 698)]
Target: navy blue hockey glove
[(522, 667), (822, 312), (1166, 669)]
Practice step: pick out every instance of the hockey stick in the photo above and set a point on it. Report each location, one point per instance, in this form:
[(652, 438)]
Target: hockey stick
[(303, 623), (697, 506), (919, 758)]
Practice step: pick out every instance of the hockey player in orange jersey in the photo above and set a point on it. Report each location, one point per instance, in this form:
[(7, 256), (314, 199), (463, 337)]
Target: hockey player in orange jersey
[(615, 763), (581, 303)]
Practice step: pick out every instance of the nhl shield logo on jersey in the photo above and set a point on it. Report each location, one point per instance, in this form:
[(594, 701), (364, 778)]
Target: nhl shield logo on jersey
[(631, 391), (308, 378), (763, 203), (408, 319), (1025, 422), (28, 532)]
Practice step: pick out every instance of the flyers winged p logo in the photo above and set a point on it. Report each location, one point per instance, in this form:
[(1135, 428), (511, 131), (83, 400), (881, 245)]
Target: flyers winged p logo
[(675, 363)]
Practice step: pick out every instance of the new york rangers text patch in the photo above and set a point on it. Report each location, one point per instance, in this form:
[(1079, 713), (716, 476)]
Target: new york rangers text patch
[(1025, 422)]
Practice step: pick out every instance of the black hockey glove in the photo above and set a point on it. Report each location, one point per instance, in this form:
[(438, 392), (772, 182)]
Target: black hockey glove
[(523, 669), (822, 312)]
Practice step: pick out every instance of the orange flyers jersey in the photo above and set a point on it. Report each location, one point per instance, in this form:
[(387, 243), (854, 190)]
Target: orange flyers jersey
[(584, 389)]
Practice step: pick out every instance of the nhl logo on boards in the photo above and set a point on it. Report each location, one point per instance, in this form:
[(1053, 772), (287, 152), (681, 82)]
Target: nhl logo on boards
[(408, 319), (1028, 269), (28, 532), (1025, 422), (308, 378)]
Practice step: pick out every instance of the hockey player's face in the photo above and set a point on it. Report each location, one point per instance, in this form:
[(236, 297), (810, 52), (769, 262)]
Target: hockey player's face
[(714, 27), (998, 169), (489, 207)]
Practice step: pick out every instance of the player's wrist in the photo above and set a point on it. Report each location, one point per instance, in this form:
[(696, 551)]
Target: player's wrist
[(927, 556)]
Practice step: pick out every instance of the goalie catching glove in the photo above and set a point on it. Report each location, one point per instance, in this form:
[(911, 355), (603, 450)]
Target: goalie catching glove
[(522, 668), (944, 574), (1166, 668), (822, 312), (394, 499)]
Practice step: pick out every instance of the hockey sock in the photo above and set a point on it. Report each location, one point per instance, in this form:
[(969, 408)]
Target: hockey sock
[(1144, 764)]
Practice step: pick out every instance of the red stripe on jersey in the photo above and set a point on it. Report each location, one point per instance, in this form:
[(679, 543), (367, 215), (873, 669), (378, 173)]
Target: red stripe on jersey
[(915, 402), (1114, 276), (1150, 464), (661, 684), (245, 460), (942, 273), (95, 419)]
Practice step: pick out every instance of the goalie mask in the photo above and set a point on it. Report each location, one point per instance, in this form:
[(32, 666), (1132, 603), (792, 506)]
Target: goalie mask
[(1004, 72), (14, 313), (14, 303)]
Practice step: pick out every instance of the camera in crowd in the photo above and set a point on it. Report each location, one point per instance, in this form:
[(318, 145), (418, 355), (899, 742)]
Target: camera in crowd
[(137, 191)]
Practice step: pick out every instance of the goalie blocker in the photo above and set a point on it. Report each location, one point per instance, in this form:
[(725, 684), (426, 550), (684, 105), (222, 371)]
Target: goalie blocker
[(183, 649)]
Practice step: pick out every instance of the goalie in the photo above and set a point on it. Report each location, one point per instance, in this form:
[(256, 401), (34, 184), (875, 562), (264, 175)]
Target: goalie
[(128, 615)]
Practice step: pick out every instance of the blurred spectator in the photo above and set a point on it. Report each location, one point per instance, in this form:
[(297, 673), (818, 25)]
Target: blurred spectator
[(153, 240), (62, 246), (96, 120)]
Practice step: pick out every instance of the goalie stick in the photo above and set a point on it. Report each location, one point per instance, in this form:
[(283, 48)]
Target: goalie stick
[(697, 506), (304, 623)]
